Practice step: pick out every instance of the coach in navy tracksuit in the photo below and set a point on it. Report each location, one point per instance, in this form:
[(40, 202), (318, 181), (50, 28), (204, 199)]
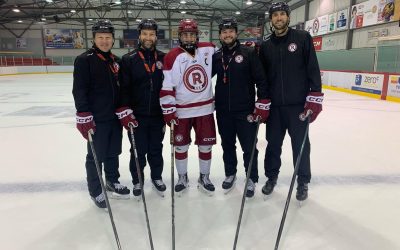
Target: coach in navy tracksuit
[(294, 87), (238, 71), (141, 83), (96, 96)]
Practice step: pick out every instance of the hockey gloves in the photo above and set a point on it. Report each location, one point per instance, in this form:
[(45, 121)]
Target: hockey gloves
[(85, 123), (261, 111), (126, 117), (313, 106), (170, 115)]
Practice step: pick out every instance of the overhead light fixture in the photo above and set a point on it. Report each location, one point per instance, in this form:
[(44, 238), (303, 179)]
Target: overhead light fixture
[(90, 19), (266, 13), (182, 1), (73, 11), (129, 12), (20, 21), (249, 2), (138, 20), (183, 12), (43, 19), (16, 10), (117, 2), (237, 12), (49, 1)]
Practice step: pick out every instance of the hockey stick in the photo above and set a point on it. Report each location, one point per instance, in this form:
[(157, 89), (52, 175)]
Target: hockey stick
[(103, 188), (139, 174), (296, 169), (172, 184), (245, 185)]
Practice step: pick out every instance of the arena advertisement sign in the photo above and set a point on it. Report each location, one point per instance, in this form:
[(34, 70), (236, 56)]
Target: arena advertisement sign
[(394, 86), (63, 38), (369, 83)]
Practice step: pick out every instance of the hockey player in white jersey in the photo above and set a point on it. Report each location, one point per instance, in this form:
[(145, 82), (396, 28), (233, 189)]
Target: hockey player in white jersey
[(186, 99)]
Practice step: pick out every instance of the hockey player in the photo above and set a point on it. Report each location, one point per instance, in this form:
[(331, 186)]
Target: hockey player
[(293, 74), (141, 82), (238, 71), (187, 101), (96, 95)]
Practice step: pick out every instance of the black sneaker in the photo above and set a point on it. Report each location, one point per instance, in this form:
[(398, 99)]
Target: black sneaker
[(205, 183), (99, 201), (183, 183), (117, 190), (302, 191), (137, 190), (268, 188), (159, 185), (251, 187), (228, 183)]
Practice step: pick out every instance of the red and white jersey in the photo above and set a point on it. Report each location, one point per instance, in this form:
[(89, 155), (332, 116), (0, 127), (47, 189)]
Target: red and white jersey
[(187, 86)]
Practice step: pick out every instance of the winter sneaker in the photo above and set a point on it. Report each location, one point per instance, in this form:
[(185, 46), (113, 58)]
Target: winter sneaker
[(100, 201), (302, 191), (137, 191), (117, 191), (268, 188), (183, 183), (159, 186), (229, 183), (205, 184), (251, 187)]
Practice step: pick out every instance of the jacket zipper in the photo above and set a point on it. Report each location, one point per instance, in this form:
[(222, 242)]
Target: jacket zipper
[(151, 85), (280, 54)]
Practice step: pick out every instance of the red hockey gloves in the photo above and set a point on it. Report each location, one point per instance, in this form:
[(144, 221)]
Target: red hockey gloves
[(170, 115), (261, 111), (313, 106), (126, 117), (85, 123)]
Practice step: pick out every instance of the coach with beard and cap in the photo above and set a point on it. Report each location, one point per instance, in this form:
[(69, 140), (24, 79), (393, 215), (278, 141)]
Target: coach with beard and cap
[(294, 87), (141, 81), (238, 71)]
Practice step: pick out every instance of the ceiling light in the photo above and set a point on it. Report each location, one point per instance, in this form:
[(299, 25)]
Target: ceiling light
[(138, 20), (16, 10), (237, 12), (182, 1), (266, 13), (49, 1), (20, 21), (129, 12), (73, 11), (249, 2), (183, 12), (90, 19), (117, 2), (43, 19)]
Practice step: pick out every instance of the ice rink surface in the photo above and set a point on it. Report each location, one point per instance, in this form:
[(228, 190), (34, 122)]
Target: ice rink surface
[(353, 204)]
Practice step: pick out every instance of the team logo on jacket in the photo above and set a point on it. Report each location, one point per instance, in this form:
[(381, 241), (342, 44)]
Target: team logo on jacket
[(292, 47), (159, 65), (195, 78), (116, 66), (178, 137), (239, 58)]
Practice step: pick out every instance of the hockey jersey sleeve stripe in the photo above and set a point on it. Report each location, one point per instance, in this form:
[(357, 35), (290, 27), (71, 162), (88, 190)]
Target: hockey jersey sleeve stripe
[(195, 104), (164, 93)]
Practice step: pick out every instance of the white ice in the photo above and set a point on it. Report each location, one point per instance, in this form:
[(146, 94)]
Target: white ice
[(354, 197)]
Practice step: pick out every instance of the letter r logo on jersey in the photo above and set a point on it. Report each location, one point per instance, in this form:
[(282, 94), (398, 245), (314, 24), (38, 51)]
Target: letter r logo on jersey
[(195, 78)]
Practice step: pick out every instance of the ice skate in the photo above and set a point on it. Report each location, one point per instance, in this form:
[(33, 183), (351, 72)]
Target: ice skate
[(182, 185), (137, 192), (117, 191), (159, 187), (229, 183), (205, 184), (268, 188)]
